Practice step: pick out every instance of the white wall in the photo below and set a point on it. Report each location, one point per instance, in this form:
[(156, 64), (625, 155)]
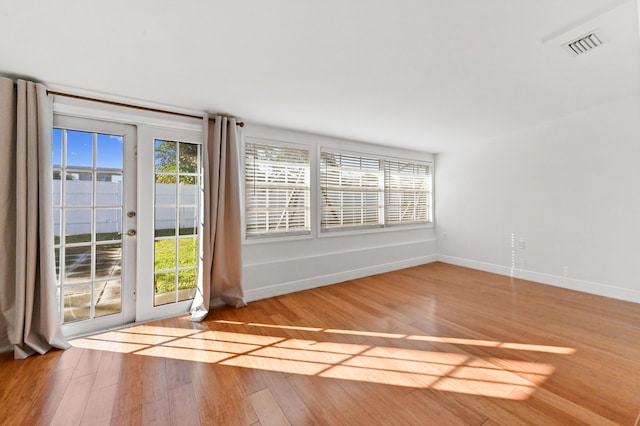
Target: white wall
[(279, 266), (570, 189)]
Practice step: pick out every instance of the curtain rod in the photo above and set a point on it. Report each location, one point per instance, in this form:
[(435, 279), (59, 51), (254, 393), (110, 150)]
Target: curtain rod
[(121, 104)]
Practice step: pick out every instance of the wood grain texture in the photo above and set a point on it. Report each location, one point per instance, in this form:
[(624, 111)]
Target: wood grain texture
[(267, 409), (433, 344)]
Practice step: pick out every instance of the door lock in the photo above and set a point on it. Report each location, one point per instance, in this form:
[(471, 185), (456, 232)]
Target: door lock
[(131, 232), (131, 214)]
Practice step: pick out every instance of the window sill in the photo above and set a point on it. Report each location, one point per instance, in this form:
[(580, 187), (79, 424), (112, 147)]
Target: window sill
[(276, 239), (392, 228)]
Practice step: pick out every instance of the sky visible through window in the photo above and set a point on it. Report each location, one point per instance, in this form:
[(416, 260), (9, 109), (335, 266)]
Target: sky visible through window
[(80, 150)]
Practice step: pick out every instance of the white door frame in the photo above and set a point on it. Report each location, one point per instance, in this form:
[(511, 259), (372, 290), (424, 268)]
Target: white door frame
[(147, 134), (147, 126), (128, 266)]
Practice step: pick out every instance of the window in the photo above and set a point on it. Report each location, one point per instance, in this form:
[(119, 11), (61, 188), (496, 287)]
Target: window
[(352, 189), (356, 191), (407, 192), (277, 190), (363, 191)]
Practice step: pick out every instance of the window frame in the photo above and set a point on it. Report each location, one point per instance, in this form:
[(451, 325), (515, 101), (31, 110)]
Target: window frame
[(385, 227), (380, 192), (428, 191), (270, 236)]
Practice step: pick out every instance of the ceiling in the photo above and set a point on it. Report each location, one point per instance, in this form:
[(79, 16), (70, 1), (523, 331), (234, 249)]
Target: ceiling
[(430, 75)]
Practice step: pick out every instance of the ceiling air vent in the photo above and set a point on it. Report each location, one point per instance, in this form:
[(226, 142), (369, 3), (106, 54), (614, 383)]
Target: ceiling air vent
[(584, 44)]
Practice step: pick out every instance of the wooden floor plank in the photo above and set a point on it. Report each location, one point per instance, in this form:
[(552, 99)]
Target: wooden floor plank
[(88, 363), (433, 344), (108, 372), (99, 406), (183, 408), (74, 401), (36, 405), (267, 409)]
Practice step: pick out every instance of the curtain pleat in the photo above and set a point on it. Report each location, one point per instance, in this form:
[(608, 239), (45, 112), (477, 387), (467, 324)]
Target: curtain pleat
[(29, 321), (221, 269)]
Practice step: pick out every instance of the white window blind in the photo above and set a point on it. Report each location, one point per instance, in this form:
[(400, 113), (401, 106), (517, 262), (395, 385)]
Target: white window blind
[(407, 192), (352, 189), (277, 190)]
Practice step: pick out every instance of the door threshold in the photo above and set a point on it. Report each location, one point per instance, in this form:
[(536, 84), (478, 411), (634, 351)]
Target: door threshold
[(123, 326)]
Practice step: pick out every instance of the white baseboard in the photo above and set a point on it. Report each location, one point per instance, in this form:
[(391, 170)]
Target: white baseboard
[(322, 280), (554, 280)]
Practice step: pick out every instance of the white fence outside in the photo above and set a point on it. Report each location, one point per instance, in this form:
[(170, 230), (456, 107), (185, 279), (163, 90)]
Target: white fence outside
[(108, 219)]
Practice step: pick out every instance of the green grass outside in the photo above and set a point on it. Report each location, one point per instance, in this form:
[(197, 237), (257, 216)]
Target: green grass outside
[(165, 258)]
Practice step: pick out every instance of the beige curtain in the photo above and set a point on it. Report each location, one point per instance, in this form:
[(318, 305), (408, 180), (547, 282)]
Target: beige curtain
[(221, 269), (29, 321)]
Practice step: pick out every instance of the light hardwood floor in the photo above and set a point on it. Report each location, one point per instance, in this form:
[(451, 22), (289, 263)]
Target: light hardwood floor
[(431, 345)]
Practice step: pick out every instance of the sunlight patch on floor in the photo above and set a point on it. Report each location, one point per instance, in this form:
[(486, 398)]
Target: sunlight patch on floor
[(436, 339), (323, 353)]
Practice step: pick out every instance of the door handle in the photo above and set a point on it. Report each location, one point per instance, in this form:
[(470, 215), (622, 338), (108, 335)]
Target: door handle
[(131, 214), (131, 232)]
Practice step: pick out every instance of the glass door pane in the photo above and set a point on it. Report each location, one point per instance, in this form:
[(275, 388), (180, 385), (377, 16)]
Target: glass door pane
[(89, 207), (176, 220)]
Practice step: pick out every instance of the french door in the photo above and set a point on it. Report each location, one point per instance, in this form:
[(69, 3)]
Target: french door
[(117, 263), (94, 172), (170, 196)]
